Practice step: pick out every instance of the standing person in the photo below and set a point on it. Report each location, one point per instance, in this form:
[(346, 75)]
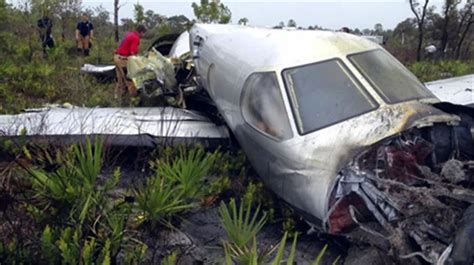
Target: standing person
[(45, 28), (84, 33), (128, 47)]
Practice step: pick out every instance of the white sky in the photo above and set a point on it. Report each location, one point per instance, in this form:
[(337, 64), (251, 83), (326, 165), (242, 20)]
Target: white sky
[(328, 14)]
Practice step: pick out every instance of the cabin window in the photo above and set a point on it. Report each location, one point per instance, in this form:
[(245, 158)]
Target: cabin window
[(389, 77), (263, 107), (325, 93)]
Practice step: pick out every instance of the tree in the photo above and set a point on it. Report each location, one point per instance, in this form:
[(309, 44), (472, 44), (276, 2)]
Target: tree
[(100, 18), (179, 23), (467, 19), (127, 24), (67, 11), (449, 7), (291, 23), (367, 32), (152, 20), (116, 25), (212, 12), (3, 13), (243, 21), (378, 29), (139, 12), (420, 14), (406, 32)]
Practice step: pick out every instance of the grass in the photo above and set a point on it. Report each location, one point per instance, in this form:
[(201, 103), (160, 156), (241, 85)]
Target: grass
[(429, 71), (27, 83)]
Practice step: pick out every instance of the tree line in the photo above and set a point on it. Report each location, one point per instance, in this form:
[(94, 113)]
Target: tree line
[(450, 30)]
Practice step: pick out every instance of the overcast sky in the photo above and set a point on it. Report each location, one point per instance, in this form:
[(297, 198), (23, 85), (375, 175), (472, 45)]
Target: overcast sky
[(328, 14)]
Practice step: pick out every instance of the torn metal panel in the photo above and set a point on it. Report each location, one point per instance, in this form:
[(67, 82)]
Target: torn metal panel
[(181, 46), (152, 67), (456, 90), (132, 126), (92, 68), (397, 181), (104, 73)]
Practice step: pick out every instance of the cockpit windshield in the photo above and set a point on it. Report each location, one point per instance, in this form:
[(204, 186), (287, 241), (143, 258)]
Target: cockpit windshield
[(325, 93), (389, 77)]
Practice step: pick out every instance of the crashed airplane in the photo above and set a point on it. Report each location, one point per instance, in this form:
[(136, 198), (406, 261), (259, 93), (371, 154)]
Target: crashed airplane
[(339, 129)]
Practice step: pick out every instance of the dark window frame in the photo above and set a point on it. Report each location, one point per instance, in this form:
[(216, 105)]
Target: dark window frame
[(245, 89), (376, 88), (351, 76)]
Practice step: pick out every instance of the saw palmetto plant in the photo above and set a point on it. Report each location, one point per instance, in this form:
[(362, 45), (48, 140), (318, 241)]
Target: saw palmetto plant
[(158, 198), (242, 226), (187, 169), (241, 223)]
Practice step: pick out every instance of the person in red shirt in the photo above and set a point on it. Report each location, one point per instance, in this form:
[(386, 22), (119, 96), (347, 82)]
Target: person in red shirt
[(128, 47)]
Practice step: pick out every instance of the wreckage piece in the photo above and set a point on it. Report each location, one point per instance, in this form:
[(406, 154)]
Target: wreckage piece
[(304, 105), (456, 90), (153, 66), (119, 126), (412, 201), (180, 47), (103, 73)]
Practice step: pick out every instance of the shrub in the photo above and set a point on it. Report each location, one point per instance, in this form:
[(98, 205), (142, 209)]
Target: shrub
[(241, 224), (158, 199), (242, 227), (73, 187), (430, 71), (87, 223), (32, 81), (187, 169)]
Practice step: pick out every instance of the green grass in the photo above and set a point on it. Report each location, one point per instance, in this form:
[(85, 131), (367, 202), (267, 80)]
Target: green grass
[(429, 71)]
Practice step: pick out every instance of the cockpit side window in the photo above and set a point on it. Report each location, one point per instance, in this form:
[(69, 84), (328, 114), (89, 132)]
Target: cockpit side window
[(262, 106), (389, 77), (325, 93)]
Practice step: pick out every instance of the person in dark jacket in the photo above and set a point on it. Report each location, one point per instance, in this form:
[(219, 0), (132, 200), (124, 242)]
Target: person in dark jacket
[(84, 34), (45, 28)]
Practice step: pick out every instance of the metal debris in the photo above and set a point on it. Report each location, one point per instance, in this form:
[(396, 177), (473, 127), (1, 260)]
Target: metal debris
[(404, 196), (457, 90)]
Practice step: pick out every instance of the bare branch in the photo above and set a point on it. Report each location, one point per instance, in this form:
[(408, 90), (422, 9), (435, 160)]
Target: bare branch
[(412, 6)]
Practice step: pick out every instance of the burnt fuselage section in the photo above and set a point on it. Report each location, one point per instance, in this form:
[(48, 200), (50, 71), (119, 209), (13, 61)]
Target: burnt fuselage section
[(340, 130)]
